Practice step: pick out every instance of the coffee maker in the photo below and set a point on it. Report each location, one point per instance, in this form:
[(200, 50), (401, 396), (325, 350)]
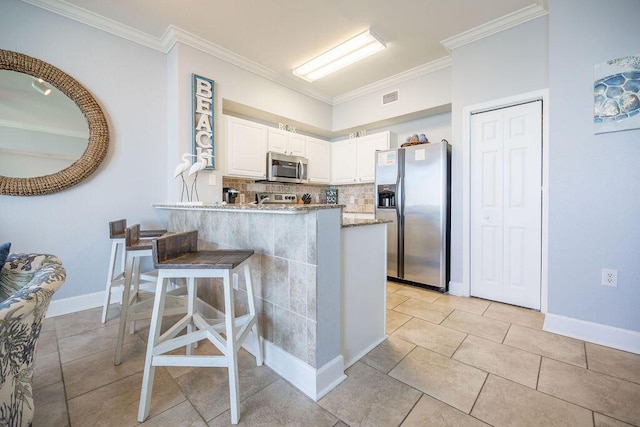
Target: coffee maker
[(229, 195)]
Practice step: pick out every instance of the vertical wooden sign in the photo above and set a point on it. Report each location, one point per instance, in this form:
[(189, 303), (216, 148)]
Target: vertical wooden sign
[(203, 107)]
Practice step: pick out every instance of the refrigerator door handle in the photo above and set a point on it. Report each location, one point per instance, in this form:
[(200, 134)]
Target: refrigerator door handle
[(400, 215)]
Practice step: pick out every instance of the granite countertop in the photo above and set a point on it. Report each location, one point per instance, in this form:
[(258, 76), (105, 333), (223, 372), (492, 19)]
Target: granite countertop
[(265, 207), (356, 222)]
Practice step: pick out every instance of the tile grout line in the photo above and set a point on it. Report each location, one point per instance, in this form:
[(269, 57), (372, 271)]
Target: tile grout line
[(412, 407), (64, 386), (482, 388), (574, 403), (539, 371), (478, 396)]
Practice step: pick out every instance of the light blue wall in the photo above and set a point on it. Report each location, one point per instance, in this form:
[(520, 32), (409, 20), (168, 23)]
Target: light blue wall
[(234, 84), (511, 62), (145, 95), (429, 91), (128, 82), (594, 216)]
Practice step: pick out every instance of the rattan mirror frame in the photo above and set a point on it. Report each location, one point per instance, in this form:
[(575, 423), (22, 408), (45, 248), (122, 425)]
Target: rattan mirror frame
[(98, 130)]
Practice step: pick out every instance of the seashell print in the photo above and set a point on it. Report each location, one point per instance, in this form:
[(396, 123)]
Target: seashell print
[(616, 94)]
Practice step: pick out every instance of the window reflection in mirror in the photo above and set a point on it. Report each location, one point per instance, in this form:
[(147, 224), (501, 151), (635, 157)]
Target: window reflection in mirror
[(39, 135)]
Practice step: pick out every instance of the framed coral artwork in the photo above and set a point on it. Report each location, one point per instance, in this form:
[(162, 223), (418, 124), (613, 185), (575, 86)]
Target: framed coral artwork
[(616, 92)]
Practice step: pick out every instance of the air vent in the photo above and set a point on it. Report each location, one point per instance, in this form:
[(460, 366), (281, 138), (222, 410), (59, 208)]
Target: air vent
[(390, 97)]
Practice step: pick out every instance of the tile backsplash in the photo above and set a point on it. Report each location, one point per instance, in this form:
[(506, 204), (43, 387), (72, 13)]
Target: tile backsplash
[(358, 198)]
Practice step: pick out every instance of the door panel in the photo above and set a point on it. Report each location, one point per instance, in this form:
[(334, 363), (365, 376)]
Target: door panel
[(506, 201), (424, 214), (392, 240), (387, 167)]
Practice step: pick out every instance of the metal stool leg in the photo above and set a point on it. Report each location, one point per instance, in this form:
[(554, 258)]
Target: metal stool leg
[(135, 282), (126, 300), (110, 275)]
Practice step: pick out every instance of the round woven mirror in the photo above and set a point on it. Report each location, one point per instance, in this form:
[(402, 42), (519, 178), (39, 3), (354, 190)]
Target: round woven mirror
[(98, 130)]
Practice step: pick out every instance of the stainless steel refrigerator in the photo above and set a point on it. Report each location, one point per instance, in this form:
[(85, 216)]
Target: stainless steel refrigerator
[(413, 191)]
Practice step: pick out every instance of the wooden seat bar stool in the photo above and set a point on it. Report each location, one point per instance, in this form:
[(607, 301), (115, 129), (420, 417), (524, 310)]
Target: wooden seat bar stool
[(177, 256), (136, 303), (118, 251)]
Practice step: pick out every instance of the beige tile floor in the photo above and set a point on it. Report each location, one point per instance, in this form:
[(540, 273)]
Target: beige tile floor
[(448, 361)]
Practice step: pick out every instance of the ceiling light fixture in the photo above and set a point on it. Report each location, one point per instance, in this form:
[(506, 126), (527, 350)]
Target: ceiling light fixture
[(353, 50), (41, 86)]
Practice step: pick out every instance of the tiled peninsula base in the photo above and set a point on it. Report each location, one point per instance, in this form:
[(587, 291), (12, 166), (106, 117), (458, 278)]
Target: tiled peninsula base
[(296, 276)]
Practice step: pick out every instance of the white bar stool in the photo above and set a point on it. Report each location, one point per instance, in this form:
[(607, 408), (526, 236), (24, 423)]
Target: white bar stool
[(136, 303), (177, 256), (116, 234)]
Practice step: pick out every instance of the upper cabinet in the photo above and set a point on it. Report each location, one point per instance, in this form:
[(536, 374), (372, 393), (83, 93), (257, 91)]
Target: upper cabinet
[(343, 162), (246, 148), (366, 157), (353, 160), (285, 142), (319, 155)]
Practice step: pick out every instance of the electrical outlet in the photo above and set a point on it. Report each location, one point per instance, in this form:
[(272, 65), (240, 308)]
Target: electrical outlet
[(609, 277), (212, 179)]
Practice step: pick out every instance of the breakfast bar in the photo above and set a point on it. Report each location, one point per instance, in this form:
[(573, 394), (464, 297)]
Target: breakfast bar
[(316, 315)]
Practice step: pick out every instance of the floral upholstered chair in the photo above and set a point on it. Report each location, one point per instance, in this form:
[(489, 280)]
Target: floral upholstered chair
[(27, 283)]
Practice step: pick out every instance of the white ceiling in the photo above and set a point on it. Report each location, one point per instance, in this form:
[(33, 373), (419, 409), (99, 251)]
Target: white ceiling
[(279, 35)]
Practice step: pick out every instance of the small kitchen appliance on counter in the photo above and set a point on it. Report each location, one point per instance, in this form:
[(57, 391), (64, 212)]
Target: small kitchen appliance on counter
[(270, 198), (229, 195)]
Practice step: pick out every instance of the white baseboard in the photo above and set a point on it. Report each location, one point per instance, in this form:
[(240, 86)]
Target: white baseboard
[(597, 333), (313, 382), (359, 356), (328, 377), (457, 288), (59, 307)]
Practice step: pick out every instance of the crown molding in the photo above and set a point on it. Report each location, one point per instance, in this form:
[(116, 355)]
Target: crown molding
[(402, 77), (100, 22), (175, 35), (511, 20)]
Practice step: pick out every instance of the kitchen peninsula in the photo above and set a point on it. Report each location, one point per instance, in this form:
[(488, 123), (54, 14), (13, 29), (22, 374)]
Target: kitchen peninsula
[(320, 284)]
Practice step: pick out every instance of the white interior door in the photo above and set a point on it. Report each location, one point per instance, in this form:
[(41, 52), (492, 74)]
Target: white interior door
[(506, 204)]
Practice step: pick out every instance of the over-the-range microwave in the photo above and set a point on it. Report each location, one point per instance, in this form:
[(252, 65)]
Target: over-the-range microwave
[(285, 168)]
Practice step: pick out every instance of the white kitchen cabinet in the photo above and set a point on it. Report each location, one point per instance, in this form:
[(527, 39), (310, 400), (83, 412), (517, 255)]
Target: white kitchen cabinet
[(319, 156), (353, 160), (366, 156), (246, 148), (343, 162), (285, 142)]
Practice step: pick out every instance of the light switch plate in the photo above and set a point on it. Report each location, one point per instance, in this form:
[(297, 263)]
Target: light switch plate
[(212, 179)]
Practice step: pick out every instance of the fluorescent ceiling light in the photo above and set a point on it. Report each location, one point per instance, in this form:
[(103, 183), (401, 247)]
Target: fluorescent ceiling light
[(353, 50), (41, 86)]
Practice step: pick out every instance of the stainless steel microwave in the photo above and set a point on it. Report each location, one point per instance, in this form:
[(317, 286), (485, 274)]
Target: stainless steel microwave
[(285, 168)]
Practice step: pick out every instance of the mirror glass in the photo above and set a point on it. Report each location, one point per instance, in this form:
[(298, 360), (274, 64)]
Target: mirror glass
[(39, 134), (47, 118)]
